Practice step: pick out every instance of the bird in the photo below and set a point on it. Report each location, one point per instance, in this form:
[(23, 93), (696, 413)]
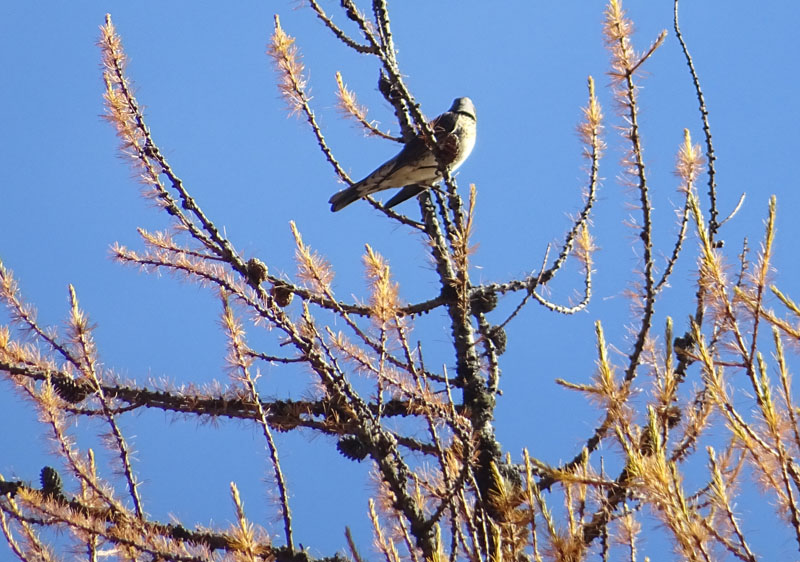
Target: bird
[(415, 167)]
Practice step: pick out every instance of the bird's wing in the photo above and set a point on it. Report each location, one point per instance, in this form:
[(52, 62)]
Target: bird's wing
[(416, 149), (442, 127), (407, 192)]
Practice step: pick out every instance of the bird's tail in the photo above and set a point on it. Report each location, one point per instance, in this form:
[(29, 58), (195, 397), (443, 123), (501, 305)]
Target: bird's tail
[(343, 198)]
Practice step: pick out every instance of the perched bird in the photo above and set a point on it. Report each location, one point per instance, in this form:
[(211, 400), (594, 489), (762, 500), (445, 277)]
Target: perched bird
[(415, 167)]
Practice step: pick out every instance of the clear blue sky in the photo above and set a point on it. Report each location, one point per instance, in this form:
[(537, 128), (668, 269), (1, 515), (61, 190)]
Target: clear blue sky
[(214, 109)]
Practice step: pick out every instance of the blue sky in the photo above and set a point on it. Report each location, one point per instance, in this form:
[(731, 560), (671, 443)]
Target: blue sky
[(212, 104)]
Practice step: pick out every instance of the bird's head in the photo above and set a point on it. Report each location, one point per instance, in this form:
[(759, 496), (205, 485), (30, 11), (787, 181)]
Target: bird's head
[(463, 106)]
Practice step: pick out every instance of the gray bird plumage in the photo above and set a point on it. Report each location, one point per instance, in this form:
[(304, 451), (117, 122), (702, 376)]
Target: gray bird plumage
[(415, 167)]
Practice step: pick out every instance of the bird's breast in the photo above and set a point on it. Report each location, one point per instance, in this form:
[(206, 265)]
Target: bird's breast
[(466, 142)]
